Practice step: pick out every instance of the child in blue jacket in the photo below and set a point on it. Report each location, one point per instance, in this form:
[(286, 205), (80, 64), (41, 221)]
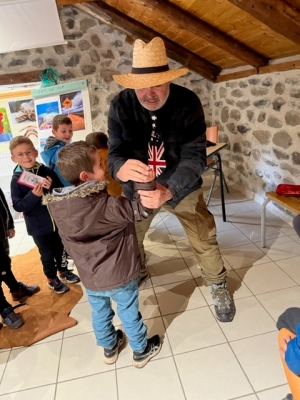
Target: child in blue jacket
[(62, 134)]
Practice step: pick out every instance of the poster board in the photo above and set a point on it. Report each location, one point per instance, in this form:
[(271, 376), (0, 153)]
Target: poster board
[(30, 112)]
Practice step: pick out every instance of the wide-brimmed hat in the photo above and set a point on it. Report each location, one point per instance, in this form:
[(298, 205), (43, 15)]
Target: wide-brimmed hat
[(149, 66)]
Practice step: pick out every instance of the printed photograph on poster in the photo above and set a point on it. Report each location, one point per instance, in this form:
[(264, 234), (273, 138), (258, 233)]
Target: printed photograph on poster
[(72, 105), (43, 141), (45, 114), (5, 131), (22, 111), (31, 132), (17, 216)]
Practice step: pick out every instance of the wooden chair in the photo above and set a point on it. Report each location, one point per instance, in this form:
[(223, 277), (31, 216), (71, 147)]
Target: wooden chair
[(212, 134)]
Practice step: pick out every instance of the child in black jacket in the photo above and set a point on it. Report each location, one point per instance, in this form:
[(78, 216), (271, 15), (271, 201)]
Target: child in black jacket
[(18, 290), (37, 218)]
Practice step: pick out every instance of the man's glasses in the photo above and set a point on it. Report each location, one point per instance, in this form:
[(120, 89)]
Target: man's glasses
[(28, 153)]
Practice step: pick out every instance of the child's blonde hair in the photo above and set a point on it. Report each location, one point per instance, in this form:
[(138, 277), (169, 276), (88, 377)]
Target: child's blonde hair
[(16, 141), (75, 158)]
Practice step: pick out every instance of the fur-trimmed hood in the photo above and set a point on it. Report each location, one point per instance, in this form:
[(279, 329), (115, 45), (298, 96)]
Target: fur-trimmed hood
[(69, 192)]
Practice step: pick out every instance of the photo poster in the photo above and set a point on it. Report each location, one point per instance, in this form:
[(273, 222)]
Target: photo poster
[(30, 112), (17, 117), (70, 99)]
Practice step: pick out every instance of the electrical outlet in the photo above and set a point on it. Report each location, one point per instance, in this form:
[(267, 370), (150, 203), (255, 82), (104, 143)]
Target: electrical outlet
[(231, 164)]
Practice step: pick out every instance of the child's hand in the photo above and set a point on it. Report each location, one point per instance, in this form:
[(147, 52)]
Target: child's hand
[(11, 233), (38, 190), (47, 182)]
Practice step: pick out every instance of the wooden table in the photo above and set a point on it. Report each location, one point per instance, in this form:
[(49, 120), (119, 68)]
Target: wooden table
[(214, 151)]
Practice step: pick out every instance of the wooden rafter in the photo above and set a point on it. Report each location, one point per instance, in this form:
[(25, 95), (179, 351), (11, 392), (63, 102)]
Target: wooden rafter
[(70, 2), (117, 20), (186, 22), (278, 15)]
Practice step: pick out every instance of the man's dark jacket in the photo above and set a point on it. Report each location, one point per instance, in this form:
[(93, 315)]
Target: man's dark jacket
[(37, 217), (182, 126)]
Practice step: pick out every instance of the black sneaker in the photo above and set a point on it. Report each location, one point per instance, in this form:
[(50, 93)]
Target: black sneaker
[(224, 307), (68, 277), (111, 356), (24, 291), (57, 286), (153, 347), (10, 318), (289, 397), (143, 275)]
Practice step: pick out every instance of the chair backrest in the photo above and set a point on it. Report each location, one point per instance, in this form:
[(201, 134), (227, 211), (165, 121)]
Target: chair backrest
[(212, 133)]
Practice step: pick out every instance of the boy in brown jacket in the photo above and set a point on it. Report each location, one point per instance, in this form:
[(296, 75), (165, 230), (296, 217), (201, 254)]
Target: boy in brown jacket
[(99, 140), (98, 232)]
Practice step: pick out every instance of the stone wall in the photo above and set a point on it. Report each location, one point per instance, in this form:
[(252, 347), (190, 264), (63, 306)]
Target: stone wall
[(259, 118), (96, 52)]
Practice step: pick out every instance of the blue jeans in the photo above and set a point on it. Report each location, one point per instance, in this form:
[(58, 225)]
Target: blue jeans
[(127, 299)]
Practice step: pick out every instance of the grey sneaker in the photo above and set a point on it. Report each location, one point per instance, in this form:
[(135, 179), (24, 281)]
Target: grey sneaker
[(224, 306), (143, 275), (111, 356), (10, 318), (153, 347)]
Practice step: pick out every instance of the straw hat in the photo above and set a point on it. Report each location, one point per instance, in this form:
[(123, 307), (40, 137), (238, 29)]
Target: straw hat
[(149, 66)]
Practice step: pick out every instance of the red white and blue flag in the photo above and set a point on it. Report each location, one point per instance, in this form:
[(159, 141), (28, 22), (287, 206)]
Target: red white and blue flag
[(156, 151)]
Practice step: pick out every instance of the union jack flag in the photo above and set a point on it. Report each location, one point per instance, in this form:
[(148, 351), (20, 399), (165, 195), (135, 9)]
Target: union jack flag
[(156, 158)]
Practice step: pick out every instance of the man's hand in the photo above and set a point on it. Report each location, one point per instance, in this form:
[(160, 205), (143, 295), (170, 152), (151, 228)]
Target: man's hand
[(134, 170), (38, 190), (154, 199), (11, 233), (47, 182)]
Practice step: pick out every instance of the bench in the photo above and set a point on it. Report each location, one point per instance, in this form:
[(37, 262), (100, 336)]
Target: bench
[(290, 203)]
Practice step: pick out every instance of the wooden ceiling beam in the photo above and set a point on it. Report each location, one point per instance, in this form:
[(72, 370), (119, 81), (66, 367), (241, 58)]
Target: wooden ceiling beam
[(136, 30), (278, 15), (70, 2), (186, 22)]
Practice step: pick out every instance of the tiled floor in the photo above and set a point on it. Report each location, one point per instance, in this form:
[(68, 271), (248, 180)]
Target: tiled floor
[(201, 359)]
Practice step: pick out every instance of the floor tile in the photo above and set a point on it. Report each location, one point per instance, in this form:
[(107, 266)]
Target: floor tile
[(281, 248), (157, 223), (254, 232), (265, 278), (276, 393), (244, 255), (158, 236), (4, 355), (159, 380), (278, 301), (259, 358), (148, 304), (193, 329), (85, 357), (177, 297), (24, 248), (234, 209), (170, 220), (245, 324), (232, 239), (155, 327), (291, 266), (102, 386), (82, 313), (216, 368), (177, 233), (41, 393), (20, 374), (169, 271), (245, 219), (160, 253)]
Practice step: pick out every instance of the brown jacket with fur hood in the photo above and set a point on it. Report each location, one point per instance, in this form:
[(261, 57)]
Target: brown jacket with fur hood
[(98, 232)]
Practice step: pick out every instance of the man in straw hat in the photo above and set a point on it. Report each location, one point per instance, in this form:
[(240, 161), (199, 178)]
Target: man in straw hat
[(156, 124)]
